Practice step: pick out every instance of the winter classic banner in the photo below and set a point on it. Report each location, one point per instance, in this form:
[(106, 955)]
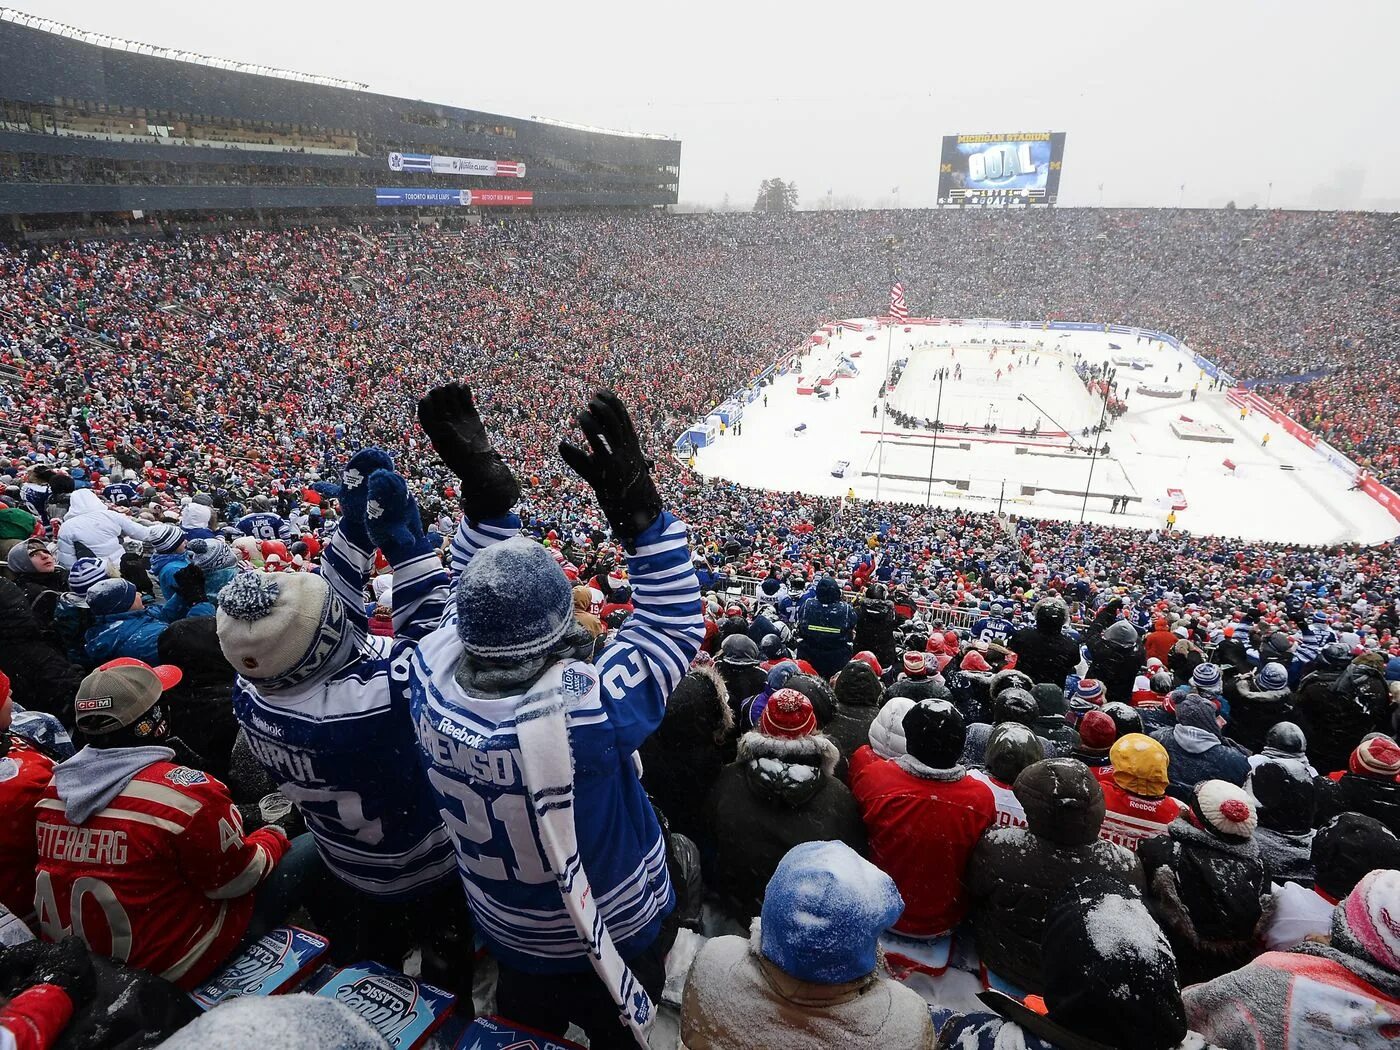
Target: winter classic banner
[(433, 165)]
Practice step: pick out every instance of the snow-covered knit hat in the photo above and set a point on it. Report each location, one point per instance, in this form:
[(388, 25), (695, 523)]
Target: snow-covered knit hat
[(82, 576), (1376, 755), (823, 912), (1089, 690), (1272, 677), (110, 596), (1372, 916), (513, 603), (1226, 808), (1206, 678), (915, 666), (165, 538), (788, 714), (934, 733), (211, 555), (284, 630)]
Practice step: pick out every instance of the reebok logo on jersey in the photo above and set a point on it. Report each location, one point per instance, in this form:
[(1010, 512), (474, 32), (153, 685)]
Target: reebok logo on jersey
[(461, 734)]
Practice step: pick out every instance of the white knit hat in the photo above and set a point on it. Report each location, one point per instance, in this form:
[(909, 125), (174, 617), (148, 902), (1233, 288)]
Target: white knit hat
[(280, 631), (1227, 808)]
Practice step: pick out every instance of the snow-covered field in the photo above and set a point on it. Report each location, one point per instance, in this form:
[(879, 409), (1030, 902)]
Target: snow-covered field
[(1279, 491)]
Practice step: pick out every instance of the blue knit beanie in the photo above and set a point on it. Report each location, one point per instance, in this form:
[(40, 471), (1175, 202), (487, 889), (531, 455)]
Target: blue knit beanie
[(84, 573), (110, 596), (514, 602), (824, 911), (1272, 676), (1206, 678)]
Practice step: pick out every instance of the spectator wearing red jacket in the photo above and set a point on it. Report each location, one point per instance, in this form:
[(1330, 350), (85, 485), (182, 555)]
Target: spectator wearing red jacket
[(1135, 797), (146, 859), (24, 774), (923, 817)]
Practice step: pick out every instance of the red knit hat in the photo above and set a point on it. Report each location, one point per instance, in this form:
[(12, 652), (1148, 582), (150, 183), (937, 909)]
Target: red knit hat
[(915, 666), (1378, 756), (1097, 730), (787, 714)]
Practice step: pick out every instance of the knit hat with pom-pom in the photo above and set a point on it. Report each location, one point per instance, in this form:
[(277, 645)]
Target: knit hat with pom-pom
[(1371, 915), (281, 631), (1377, 756), (514, 602), (1225, 808), (788, 714)]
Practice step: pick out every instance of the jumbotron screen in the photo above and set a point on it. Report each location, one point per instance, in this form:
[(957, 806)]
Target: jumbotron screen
[(1022, 167)]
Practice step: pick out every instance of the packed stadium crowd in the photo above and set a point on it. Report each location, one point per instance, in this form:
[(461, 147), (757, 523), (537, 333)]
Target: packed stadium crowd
[(281, 642)]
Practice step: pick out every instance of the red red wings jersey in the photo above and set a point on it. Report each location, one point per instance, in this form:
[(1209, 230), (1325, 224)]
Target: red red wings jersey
[(1129, 818), (24, 774), (161, 878)]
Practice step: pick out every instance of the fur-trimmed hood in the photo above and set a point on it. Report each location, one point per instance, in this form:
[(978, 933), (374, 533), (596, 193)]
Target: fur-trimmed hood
[(785, 770)]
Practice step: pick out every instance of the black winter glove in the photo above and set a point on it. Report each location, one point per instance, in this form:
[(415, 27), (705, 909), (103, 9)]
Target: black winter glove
[(452, 424), (618, 470), (189, 584)]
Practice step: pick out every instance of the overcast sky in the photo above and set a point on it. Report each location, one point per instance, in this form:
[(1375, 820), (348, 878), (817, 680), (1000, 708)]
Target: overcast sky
[(1223, 96)]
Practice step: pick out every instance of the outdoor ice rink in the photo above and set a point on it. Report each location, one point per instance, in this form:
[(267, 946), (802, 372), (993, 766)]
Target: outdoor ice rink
[(1280, 491)]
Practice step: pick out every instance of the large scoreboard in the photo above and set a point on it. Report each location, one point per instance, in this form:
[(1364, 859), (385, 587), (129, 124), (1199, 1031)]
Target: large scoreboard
[(1021, 167)]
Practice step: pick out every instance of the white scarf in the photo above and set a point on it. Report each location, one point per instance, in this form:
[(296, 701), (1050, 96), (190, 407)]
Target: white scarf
[(546, 762)]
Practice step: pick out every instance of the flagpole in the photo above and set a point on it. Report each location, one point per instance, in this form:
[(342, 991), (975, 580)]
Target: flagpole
[(885, 401)]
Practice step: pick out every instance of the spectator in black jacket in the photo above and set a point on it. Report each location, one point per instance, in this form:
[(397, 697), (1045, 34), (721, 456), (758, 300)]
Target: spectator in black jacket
[(1016, 872), (858, 698), (780, 792), (1287, 807), (1115, 652), (682, 760), (1337, 707), (1043, 651), (1367, 787), (41, 677), (875, 622), (1258, 702), (1206, 883)]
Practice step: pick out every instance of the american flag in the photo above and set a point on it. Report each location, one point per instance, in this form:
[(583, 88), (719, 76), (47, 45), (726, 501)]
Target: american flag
[(898, 311)]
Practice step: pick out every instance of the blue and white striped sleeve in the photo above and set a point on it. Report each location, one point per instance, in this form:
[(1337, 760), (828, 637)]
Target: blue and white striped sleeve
[(471, 538), (346, 567), (421, 590), (653, 650)]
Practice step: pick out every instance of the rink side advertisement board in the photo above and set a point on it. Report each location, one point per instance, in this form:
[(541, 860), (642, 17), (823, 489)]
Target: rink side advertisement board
[(999, 170)]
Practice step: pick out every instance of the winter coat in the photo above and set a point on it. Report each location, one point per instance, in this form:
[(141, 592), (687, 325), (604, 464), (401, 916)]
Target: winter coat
[(90, 523), (1195, 755), (135, 633), (875, 623), (858, 697), (1207, 893), (1254, 711), (1046, 656), (1115, 665), (1335, 717), (1017, 873), (41, 676), (1315, 995), (736, 999), (1287, 855), (778, 793), (1372, 796), (682, 760), (741, 682), (128, 1009), (1061, 738), (200, 707), (825, 628), (923, 825)]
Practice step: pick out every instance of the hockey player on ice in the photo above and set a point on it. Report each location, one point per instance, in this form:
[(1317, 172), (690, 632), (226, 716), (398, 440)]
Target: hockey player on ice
[(530, 744)]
